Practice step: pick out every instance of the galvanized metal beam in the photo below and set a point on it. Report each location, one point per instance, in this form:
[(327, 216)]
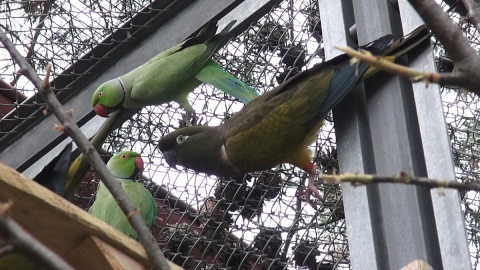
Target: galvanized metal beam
[(452, 238), (394, 127)]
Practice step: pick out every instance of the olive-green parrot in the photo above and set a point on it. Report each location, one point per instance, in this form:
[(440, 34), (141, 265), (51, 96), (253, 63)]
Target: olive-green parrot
[(278, 126), (54, 175), (124, 166), (80, 166), (171, 76)]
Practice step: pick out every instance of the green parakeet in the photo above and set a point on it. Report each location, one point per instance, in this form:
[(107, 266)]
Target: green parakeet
[(278, 126), (124, 166), (171, 76)]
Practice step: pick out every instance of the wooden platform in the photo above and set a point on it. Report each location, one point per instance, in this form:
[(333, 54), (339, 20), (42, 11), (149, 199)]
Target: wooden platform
[(82, 240)]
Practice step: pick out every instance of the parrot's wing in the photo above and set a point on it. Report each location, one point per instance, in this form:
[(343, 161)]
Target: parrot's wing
[(143, 200), (211, 47), (209, 44), (206, 33), (54, 178), (215, 75), (106, 208), (292, 113), (265, 135)]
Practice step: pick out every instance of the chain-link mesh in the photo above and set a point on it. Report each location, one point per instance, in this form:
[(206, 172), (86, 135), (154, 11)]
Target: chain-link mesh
[(207, 222)]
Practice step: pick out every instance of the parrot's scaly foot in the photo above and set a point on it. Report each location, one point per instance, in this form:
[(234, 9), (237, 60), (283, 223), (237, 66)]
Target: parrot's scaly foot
[(188, 119), (311, 188)]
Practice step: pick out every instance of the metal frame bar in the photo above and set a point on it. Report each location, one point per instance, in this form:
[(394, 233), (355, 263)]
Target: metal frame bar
[(394, 127)]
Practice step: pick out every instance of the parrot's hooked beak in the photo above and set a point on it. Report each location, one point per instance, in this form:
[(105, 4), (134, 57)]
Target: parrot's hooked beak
[(139, 165), (171, 158), (102, 110)]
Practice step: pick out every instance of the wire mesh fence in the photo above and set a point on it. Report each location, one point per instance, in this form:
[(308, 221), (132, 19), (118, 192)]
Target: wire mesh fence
[(205, 222)]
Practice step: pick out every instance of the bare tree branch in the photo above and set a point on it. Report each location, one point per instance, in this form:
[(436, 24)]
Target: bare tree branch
[(70, 127), (409, 73), (467, 62), (403, 178), (24, 242), (38, 28), (472, 7)]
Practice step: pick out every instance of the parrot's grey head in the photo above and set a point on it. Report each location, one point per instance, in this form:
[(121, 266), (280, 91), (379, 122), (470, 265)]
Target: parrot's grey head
[(196, 147), (108, 97)]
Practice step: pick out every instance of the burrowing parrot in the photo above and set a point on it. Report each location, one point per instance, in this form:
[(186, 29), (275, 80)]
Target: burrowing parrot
[(54, 175), (124, 166), (171, 76), (278, 126)]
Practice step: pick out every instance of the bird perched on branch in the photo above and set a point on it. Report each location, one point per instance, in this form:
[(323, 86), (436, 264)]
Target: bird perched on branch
[(171, 76), (124, 166), (278, 126)]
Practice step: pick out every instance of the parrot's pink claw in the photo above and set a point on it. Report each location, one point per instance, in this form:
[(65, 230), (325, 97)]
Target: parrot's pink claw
[(312, 189)]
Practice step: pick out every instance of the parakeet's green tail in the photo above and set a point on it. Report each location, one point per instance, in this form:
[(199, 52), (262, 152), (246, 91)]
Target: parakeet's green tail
[(215, 75)]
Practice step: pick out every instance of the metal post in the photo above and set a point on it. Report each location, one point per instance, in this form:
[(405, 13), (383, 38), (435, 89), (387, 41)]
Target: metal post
[(391, 130)]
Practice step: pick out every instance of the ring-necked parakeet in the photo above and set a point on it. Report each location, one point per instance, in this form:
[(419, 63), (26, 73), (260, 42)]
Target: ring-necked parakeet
[(171, 76), (124, 166), (278, 126)]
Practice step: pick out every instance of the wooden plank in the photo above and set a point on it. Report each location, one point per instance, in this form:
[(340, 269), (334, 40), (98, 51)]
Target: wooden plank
[(109, 258), (417, 265), (59, 224)]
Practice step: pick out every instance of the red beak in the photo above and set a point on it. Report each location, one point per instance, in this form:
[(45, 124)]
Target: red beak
[(101, 110), (139, 164)]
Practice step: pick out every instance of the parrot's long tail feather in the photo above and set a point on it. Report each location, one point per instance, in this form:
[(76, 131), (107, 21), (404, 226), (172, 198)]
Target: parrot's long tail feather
[(407, 43), (346, 76), (215, 75)]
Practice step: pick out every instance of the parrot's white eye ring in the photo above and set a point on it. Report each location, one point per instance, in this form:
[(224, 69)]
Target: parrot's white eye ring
[(100, 94), (181, 139)]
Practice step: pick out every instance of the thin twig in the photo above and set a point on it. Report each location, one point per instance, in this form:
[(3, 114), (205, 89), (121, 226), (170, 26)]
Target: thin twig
[(70, 127), (27, 244), (409, 73), (467, 62), (455, 78), (38, 28), (403, 178)]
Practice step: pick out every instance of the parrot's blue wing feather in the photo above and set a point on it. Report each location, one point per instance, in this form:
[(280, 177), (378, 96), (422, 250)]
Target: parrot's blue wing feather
[(54, 178), (345, 78), (215, 75), (61, 169)]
